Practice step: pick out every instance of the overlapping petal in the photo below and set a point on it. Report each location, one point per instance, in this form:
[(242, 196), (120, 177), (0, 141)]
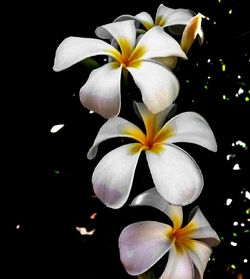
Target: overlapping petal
[(142, 244), (159, 44), (179, 266), (193, 128), (113, 176), (74, 49), (204, 232), (101, 92), (118, 30), (114, 127), (152, 198), (176, 175), (158, 85), (199, 256)]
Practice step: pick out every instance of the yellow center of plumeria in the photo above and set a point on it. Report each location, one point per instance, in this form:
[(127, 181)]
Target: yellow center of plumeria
[(153, 139), (181, 236), (160, 21), (128, 56)]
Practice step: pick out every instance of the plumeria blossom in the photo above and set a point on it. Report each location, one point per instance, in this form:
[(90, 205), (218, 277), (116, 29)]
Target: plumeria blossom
[(175, 174), (174, 19), (101, 93), (142, 244)]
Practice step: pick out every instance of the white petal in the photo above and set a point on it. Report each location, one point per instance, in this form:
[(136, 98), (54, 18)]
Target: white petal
[(143, 113), (142, 244), (74, 49), (113, 176), (179, 266), (158, 43), (128, 17), (101, 92), (193, 128), (203, 231), (169, 62), (176, 175), (152, 198), (179, 17), (159, 86), (199, 255), (145, 19), (163, 12), (118, 30), (114, 127)]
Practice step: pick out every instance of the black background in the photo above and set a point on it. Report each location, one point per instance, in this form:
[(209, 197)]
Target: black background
[(47, 191)]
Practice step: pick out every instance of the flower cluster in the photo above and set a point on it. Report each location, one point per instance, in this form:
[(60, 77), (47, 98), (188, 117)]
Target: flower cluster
[(147, 50)]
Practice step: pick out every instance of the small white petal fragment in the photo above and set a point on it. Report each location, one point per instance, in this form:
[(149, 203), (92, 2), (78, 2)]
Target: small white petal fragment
[(236, 167), (228, 201), (247, 195), (56, 128), (232, 243), (83, 231)]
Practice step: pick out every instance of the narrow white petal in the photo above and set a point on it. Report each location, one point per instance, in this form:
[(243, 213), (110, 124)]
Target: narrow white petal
[(203, 231), (159, 86), (74, 49), (193, 128), (152, 198), (176, 175), (113, 176), (101, 92), (145, 19), (179, 266), (199, 255), (142, 244), (114, 127), (118, 30), (159, 44)]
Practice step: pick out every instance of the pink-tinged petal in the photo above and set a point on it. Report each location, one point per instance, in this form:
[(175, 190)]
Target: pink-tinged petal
[(114, 127), (193, 128), (152, 198), (199, 254), (176, 175), (179, 265), (142, 244), (203, 231), (191, 31), (145, 19), (74, 49), (119, 30), (113, 176), (159, 86), (101, 92), (158, 43)]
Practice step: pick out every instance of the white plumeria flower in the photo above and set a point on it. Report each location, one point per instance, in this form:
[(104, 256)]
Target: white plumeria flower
[(176, 175), (101, 93), (176, 20), (142, 244)]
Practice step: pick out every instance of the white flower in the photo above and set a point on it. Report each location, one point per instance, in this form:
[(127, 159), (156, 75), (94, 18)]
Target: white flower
[(142, 244), (175, 174), (101, 93)]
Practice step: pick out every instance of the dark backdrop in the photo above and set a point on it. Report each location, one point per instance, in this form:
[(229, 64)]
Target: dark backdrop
[(48, 191)]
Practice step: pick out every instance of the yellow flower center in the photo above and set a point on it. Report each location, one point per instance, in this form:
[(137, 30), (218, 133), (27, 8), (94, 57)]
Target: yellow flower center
[(182, 237), (128, 56), (154, 137), (160, 21)]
